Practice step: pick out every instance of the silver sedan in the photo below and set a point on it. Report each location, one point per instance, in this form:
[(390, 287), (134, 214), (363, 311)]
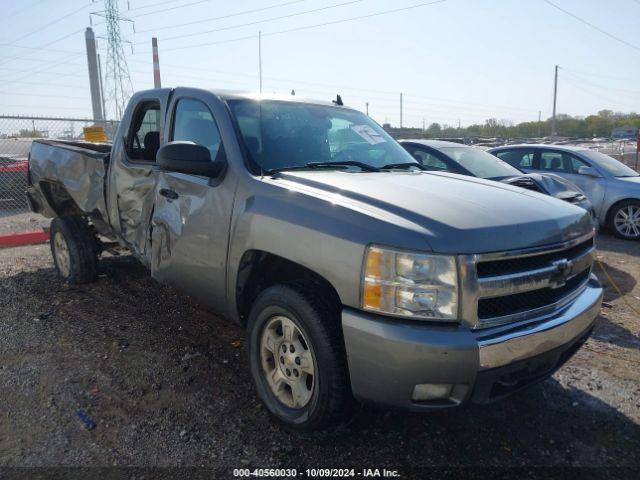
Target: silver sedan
[(612, 187)]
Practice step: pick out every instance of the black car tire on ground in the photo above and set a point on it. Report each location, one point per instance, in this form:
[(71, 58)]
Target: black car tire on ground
[(330, 404), (74, 249), (615, 216)]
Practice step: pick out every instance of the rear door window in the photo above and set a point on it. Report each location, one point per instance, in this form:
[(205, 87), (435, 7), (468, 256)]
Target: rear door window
[(554, 162), (519, 158)]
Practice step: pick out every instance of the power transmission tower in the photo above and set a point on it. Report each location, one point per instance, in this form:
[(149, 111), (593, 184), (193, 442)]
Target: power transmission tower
[(117, 82)]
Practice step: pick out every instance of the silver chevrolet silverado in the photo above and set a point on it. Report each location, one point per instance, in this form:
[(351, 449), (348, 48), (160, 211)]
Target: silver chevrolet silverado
[(357, 274)]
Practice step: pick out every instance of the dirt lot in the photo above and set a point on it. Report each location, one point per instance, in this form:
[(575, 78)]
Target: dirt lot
[(167, 384)]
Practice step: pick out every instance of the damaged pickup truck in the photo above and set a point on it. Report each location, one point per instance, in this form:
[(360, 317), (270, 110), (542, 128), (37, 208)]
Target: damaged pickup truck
[(357, 274)]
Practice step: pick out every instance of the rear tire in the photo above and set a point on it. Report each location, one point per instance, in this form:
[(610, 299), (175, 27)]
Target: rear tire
[(305, 402), (624, 220), (74, 249)]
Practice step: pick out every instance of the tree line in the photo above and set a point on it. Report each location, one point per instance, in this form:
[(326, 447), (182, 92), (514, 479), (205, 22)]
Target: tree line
[(599, 125)]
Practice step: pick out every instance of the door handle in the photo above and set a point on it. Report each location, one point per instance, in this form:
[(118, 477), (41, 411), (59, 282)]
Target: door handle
[(169, 193)]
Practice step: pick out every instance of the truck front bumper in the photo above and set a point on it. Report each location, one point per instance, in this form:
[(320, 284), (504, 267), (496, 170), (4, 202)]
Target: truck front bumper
[(388, 358)]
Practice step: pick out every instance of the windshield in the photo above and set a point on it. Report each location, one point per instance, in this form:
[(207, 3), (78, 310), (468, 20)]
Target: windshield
[(480, 163), (281, 134), (610, 164)]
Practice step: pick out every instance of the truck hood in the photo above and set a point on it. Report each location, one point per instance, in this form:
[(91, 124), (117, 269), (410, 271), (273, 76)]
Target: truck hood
[(455, 213)]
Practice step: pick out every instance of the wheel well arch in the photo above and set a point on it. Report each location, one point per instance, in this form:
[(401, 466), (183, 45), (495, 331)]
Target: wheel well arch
[(58, 198), (615, 204), (259, 270)]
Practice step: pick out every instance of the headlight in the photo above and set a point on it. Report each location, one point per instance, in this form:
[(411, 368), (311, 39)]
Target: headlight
[(410, 284)]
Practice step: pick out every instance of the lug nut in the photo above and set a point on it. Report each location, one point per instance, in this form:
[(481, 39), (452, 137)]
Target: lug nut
[(295, 372), (284, 348), (292, 349), (288, 372), (282, 360), (297, 360)]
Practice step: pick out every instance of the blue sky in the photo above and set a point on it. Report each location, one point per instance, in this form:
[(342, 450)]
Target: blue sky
[(456, 60)]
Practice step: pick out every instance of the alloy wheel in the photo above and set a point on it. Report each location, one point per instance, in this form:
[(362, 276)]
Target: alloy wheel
[(627, 221), (63, 258), (287, 362)]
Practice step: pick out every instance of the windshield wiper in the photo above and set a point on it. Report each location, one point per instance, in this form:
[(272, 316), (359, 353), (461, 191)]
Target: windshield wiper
[(339, 164), (403, 166)]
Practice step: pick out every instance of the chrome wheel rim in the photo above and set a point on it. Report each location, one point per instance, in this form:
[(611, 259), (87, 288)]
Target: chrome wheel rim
[(287, 362), (63, 260), (627, 221)]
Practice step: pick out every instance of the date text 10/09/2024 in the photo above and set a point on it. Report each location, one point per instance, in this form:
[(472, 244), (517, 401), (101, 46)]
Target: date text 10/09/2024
[(317, 473)]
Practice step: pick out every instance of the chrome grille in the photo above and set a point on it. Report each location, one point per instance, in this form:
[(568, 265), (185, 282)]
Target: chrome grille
[(504, 287)]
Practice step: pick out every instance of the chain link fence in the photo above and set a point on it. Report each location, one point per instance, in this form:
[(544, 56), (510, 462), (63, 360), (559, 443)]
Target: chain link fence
[(16, 135)]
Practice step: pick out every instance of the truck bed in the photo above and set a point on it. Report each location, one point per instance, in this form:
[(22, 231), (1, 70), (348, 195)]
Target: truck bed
[(62, 170)]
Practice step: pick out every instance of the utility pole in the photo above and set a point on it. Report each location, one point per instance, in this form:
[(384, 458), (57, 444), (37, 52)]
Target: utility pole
[(423, 124), (94, 79), (260, 58), (156, 63), (104, 110), (367, 106), (539, 124), (400, 110), (555, 100)]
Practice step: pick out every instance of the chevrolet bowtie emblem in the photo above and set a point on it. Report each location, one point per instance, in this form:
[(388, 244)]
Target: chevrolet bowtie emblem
[(563, 270)]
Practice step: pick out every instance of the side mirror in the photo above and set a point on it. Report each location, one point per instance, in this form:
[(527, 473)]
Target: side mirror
[(187, 157), (588, 171)]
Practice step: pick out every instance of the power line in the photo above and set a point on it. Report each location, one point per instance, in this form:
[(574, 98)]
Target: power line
[(610, 100), (53, 22), (41, 70), (150, 5), (56, 107), (31, 94), (595, 27), (39, 60), (602, 75), (336, 87), (328, 7), (31, 72), (18, 12), (630, 93), (245, 12), (170, 8), (42, 47), (307, 27)]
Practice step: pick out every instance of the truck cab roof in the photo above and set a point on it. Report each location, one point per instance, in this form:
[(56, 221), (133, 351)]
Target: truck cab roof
[(246, 95)]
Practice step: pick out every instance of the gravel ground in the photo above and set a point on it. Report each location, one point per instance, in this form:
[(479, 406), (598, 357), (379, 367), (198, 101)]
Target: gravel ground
[(21, 222), (167, 384)]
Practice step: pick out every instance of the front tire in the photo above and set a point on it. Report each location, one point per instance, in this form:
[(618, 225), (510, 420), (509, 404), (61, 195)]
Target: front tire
[(74, 249), (297, 359), (624, 220)]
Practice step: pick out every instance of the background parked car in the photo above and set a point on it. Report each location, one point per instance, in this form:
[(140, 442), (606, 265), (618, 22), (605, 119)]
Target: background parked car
[(13, 182), (466, 160), (612, 187)]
